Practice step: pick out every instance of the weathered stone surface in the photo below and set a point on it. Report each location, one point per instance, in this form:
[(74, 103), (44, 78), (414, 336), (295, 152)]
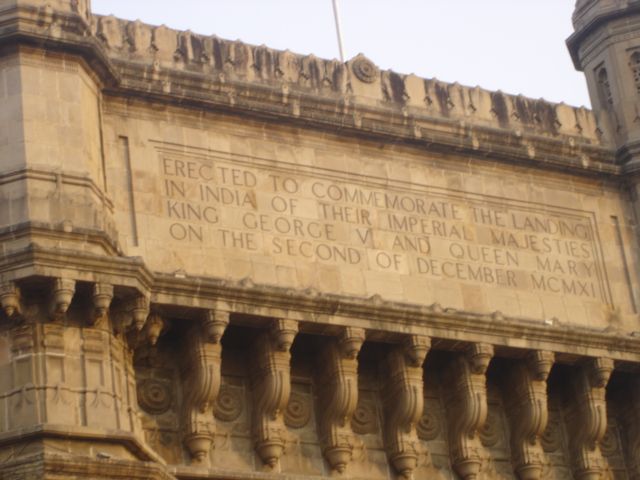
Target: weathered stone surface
[(225, 261)]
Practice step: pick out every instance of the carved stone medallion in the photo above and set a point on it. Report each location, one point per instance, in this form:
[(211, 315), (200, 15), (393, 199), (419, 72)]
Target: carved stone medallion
[(298, 412), (155, 396), (364, 69), (229, 404), (364, 418)]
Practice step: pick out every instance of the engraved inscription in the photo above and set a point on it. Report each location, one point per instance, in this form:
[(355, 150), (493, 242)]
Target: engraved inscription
[(407, 231)]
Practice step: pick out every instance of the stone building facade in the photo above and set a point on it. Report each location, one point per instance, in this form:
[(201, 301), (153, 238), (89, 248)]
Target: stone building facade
[(221, 261)]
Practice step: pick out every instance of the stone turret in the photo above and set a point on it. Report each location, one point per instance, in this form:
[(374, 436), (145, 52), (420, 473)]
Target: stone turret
[(606, 47)]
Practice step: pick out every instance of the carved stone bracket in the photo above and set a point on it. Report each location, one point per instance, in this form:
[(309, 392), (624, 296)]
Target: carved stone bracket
[(338, 396), (61, 296), (271, 380), (201, 387), (467, 408), (404, 402), (10, 299), (526, 402), (102, 295), (139, 308), (588, 418)]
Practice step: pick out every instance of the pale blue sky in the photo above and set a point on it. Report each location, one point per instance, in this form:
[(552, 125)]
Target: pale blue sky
[(516, 46)]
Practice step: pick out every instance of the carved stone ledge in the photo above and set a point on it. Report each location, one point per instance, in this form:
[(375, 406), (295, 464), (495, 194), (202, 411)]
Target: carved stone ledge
[(201, 387), (588, 418), (467, 408), (271, 380), (526, 403), (338, 396), (404, 403)]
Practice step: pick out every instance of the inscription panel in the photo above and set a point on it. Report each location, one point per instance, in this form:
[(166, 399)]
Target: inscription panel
[(306, 217)]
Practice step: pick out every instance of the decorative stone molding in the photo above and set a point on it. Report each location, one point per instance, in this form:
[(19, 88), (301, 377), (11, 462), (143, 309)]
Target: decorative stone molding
[(10, 299), (527, 411), (201, 387), (338, 396), (364, 69), (587, 418), (467, 408), (102, 295), (155, 396), (404, 402), (271, 380), (61, 296)]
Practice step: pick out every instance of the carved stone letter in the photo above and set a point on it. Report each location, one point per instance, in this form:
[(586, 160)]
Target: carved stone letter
[(467, 408), (404, 403), (587, 420), (338, 396), (201, 387), (526, 402), (271, 382)]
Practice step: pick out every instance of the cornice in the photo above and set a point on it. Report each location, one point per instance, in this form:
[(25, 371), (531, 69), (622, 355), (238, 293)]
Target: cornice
[(181, 296)]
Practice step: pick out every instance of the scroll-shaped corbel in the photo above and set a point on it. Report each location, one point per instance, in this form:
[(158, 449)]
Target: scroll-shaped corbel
[(528, 414), (271, 381), (404, 402), (588, 417), (10, 299), (338, 396), (201, 386), (467, 407), (61, 296)]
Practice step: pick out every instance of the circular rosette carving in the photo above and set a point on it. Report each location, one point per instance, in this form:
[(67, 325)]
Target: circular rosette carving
[(364, 419), (428, 427), (364, 69), (552, 437), (229, 404), (298, 412), (154, 396), (490, 433)]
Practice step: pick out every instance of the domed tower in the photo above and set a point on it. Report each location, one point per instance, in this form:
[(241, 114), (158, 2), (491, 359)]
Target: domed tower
[(606, 47)]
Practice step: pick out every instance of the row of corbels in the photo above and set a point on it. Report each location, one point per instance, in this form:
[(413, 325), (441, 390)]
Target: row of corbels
[(133, 315)]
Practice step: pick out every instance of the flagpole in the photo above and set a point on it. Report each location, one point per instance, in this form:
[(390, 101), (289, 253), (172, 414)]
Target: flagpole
[(336, 16)]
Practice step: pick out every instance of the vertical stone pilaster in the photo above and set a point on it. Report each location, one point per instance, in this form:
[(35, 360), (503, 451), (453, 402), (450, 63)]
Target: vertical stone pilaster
[(467, 408), (271, 380), (202, 383), (526, 403), (587, 418), (338, 396), (404, 403)]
